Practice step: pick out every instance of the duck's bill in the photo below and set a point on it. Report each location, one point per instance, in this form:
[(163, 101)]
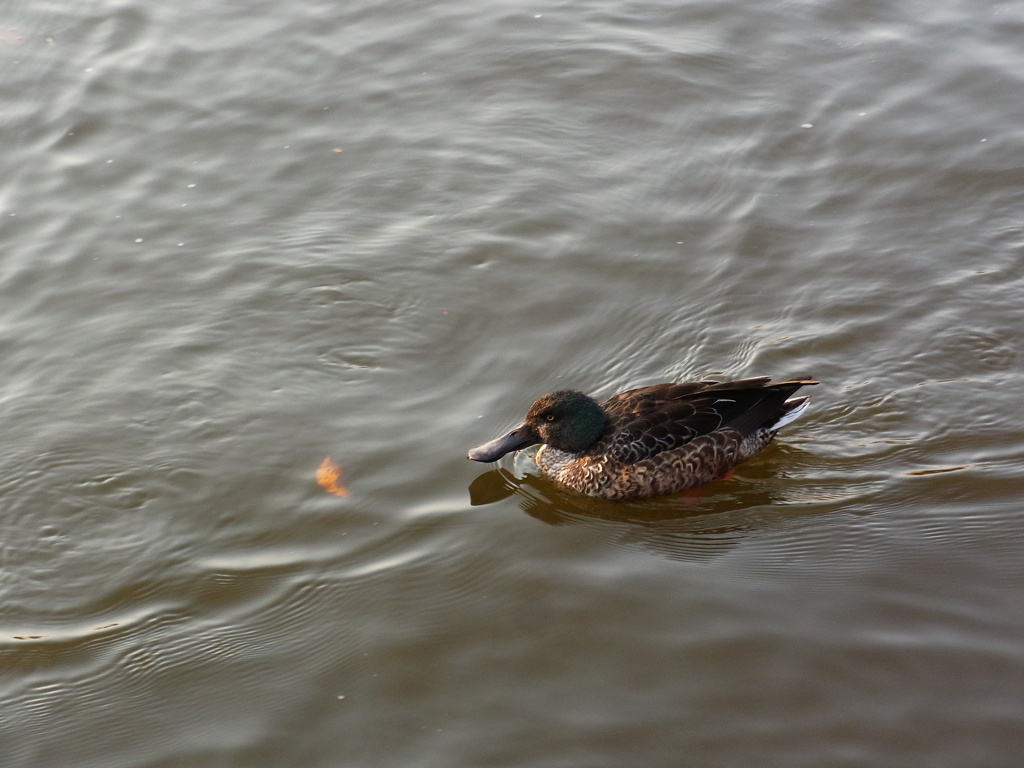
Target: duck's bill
[(519, 438)]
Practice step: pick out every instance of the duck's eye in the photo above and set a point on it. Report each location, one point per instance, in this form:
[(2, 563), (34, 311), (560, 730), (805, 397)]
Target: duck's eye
[(550, 417)]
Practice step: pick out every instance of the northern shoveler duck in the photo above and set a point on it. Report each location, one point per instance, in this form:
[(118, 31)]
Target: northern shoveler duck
[(653, 440)]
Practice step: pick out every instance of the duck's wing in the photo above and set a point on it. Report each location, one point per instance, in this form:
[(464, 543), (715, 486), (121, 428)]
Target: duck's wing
[(649, 420)]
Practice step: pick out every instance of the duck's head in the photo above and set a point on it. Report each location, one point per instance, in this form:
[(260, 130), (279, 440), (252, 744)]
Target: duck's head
[(567, 420)]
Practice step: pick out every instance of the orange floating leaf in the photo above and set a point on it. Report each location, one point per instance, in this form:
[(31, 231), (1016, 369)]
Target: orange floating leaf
[(328, 477)]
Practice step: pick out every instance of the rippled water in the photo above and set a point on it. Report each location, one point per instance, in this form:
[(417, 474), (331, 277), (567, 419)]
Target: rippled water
[(240, 238)]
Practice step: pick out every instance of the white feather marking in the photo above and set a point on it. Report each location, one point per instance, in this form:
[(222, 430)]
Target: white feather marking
[(799, 408)]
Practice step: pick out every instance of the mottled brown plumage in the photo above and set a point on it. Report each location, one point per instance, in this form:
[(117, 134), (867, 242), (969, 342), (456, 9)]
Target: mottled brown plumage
[(652, 440)]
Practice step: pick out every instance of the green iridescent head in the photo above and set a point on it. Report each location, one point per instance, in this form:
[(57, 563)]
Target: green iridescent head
[(567, 420)]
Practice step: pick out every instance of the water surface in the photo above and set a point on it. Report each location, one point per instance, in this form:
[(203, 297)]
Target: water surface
[(241, 238)]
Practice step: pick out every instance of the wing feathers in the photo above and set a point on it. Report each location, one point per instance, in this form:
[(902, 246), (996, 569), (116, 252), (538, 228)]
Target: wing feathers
[(649, 420)]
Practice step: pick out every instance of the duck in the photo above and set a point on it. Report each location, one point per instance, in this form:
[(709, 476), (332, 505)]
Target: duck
[(653, 440)]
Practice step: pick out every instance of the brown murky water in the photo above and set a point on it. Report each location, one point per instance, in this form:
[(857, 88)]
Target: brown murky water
[(239, 239)]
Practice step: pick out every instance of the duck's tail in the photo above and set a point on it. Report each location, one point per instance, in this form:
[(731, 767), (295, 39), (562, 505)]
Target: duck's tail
[(791, 411)]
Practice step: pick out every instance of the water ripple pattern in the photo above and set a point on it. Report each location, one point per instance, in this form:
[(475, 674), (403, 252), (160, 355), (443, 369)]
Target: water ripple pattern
[(243, 238)]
